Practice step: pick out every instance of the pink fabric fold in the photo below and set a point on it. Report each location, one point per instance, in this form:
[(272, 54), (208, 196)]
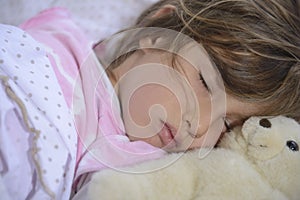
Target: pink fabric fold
[(89, 94)]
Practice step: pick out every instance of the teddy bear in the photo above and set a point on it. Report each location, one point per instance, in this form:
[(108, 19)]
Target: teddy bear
[(257, 161)]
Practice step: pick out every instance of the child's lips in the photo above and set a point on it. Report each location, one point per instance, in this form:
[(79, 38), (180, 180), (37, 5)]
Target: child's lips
[(167, 134)]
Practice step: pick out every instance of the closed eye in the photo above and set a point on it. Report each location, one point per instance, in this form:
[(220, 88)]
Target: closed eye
[(204, 82)]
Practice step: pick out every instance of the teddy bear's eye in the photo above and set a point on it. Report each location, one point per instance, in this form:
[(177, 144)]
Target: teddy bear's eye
[(292, 145), (264, 122)]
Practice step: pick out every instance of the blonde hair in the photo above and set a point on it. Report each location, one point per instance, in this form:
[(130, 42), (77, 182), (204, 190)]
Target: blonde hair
[(255, 45)]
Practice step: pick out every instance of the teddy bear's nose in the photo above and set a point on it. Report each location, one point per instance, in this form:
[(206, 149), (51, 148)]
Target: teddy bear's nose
[(265, 123)]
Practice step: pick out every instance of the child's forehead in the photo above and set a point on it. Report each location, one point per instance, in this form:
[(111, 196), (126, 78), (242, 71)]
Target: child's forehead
[(196, 55)]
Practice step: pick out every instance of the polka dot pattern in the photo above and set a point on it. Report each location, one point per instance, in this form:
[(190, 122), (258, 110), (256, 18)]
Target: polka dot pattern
[(21, 58)]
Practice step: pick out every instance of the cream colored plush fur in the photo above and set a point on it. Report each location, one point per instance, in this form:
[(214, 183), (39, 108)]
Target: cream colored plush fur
[(258, 162)]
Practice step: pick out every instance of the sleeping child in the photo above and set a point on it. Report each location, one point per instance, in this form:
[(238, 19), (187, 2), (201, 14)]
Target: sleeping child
[(186, 73)]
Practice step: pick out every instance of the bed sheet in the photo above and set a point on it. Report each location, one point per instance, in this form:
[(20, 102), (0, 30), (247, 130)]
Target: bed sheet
[(98, 19)]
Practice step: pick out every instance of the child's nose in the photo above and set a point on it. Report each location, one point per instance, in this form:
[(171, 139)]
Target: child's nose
[(202, 129)]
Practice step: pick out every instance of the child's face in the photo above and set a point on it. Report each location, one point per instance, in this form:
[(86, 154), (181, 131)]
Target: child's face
[(170, 106)]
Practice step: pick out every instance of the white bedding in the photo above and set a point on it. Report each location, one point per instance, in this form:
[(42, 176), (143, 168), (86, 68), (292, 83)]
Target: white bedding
[(98, 18)]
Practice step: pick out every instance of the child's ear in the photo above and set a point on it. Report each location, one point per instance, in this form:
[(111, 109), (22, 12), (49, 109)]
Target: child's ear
[(148, 43), (151, 43), (165, 10)]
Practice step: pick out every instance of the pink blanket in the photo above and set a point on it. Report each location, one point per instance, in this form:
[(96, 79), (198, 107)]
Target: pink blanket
[(68, 99)]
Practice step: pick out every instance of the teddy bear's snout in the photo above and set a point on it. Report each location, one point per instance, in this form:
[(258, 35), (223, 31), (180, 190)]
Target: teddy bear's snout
[(264, 122)]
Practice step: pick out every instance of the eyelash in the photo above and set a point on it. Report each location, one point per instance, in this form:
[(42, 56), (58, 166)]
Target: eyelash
[(203, 81), (227, 124)]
